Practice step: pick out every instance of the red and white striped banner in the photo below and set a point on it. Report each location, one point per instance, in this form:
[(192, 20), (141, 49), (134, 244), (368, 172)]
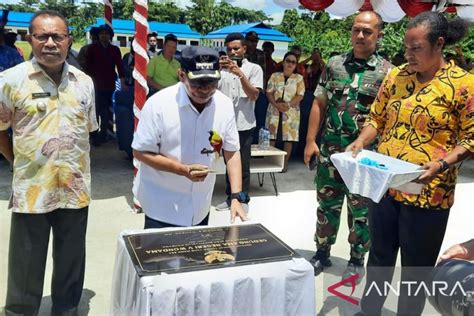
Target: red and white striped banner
[(108, 11), (140, 44)]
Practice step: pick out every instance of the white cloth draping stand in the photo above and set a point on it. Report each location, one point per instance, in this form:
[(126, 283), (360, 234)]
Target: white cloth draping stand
[(276, 288)]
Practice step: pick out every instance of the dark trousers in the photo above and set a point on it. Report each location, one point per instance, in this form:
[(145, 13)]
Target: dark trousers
[(261, 106), (418, 233), (245, 138), (153, 223), (29, 238), (104, 111)]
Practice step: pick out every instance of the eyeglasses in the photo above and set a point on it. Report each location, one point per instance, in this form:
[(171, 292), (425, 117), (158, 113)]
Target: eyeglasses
[(291, 62), (57, 38)]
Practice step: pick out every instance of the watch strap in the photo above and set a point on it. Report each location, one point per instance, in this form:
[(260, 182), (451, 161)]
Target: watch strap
[(444, 165)]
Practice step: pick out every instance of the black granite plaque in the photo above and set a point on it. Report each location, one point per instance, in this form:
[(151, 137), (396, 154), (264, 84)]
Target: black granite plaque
[(204, 248)]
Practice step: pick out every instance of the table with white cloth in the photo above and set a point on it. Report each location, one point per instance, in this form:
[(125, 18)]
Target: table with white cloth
[(270, 288)]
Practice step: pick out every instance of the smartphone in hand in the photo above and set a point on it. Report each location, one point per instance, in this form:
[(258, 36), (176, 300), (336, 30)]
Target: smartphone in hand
[(313, 162), (237, 60)]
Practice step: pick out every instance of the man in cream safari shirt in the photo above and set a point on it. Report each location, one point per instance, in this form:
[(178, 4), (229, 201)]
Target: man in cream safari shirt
[(50, 107)]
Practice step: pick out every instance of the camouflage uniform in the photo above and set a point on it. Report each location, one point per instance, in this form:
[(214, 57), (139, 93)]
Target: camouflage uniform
[(350, 86)]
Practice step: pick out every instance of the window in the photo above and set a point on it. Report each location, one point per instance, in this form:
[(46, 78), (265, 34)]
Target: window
[(122, 41), (22, 34), (194, 43), (181, 42)]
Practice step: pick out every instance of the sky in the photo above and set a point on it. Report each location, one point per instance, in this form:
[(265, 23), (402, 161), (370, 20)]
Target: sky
[(267, 6)]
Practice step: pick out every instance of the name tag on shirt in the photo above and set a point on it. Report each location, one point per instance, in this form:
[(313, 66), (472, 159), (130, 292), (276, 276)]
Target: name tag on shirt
[(40, 95)]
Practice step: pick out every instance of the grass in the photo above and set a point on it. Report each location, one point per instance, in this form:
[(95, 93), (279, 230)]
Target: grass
[(25, 47)]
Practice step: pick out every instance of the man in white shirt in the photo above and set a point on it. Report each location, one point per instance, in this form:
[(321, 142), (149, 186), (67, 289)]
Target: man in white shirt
[(241, 81), (179, 138)]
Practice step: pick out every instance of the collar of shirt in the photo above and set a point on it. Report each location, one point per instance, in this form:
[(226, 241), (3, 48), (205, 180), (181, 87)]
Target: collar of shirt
[(371, 61), (161, 56), (34, 69)]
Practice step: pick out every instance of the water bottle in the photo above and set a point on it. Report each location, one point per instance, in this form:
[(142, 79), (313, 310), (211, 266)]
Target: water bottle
[(260, 138), (265, 143)]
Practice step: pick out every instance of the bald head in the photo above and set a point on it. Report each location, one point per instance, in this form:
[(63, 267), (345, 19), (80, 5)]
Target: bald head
[(371, 15), (365, 32)]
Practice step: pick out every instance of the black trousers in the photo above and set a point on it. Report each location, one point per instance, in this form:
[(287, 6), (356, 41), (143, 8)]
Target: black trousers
[(104, 111), (418, 233), (245, 138), (29, 238)]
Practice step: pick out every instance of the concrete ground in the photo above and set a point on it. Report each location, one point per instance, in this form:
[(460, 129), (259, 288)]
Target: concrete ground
[(291, 216)]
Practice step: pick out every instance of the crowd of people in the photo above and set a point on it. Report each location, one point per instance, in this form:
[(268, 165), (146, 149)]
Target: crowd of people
[(203, 105)]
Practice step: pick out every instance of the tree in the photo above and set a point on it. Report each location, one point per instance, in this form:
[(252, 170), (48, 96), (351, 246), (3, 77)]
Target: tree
[(205, 15), (166, 12), (66, 8), (84, 17), (200, 15), (22, 6), (123, 9)]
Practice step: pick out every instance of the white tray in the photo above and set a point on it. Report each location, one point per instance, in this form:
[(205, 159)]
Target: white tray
[(372, 182)]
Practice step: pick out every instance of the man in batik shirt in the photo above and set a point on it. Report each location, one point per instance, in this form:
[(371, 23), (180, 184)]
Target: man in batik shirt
[(50, 108)]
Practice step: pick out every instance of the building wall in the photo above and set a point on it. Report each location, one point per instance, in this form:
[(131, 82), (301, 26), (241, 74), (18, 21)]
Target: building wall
[(125, 40), (280, 47), (21, 31)]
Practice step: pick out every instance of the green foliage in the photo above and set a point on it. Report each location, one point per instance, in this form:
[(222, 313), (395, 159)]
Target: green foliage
[(308, 29), (206, 15), (315, 30), (84, 17), (203, 15), (123, 9), (166, 12), (392, 40), (200, 15), (468, 44), (22, 6)]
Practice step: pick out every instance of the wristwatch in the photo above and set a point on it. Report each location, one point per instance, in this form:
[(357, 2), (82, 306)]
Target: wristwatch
[(444, 165), (239, 196)]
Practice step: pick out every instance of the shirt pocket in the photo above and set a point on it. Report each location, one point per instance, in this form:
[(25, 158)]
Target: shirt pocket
[(26, 114), (335, 90), (366, 96)]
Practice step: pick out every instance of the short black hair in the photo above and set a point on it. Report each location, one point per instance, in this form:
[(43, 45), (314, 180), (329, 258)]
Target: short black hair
[(439, 26), (288, 54), (152, 34), (234, 37), (94, 31), (50, 13), (269, 45), (171, 37), (298, 47)]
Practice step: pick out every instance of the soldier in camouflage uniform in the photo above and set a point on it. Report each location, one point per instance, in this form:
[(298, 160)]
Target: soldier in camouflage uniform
[(345, 93)]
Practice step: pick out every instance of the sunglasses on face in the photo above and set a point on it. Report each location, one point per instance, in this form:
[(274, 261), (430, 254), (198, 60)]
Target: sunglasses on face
[(290, 62), (203, 83), (57, 38)]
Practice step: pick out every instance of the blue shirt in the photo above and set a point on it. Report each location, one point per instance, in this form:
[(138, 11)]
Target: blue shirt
[(9, 57)]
